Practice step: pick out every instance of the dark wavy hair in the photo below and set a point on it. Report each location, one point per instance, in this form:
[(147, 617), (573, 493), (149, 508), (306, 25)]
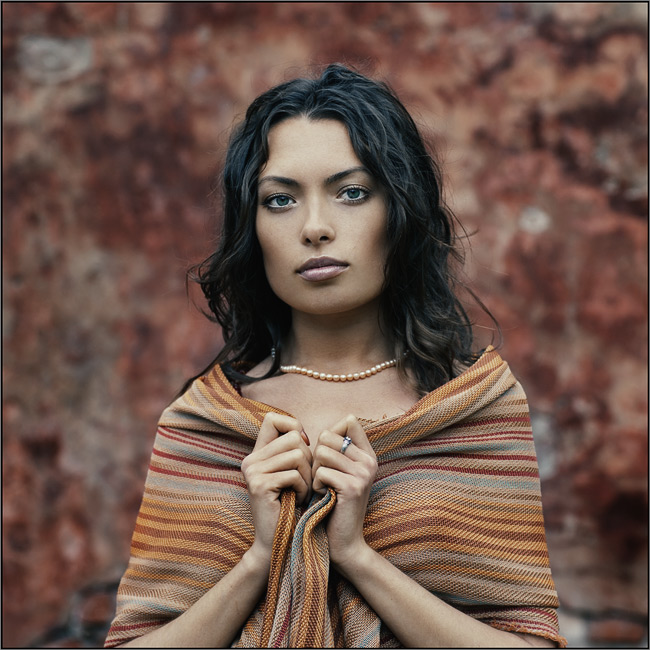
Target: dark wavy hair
[(420, 311)]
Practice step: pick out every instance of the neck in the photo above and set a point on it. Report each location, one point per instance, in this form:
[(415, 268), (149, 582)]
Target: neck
[(338, 343)]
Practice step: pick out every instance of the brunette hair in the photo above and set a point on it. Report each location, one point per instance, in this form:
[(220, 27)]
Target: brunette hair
[(420, 310)]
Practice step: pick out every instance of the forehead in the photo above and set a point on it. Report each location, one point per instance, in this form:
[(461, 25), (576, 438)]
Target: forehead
[(301, 144)]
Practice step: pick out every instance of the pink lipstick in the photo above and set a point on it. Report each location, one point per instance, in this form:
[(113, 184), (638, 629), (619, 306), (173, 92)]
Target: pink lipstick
[(318, 269)]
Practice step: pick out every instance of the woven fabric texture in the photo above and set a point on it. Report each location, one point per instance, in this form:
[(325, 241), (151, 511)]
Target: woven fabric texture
[(455, 505)]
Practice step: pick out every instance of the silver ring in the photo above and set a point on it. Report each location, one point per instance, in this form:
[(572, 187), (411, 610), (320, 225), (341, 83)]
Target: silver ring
[(346, 443)]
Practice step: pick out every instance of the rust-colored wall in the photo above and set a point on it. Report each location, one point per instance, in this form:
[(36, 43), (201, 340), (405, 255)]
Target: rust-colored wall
[(115, 119)]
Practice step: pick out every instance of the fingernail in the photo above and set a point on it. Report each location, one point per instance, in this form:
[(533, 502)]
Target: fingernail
[(304, 436)]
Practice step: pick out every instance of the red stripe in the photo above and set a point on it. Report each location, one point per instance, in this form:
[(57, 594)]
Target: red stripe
[(201, 440), (460, 511), (477, 423), (460, 454), (172, 550), (234, 534), (166, 433), (505, 436), (216, 538), (195, 522), (468, 543), (283, 628), (493, 435), (198, 477), (464, 470), (437, 532), (135, 626), (183, 459)]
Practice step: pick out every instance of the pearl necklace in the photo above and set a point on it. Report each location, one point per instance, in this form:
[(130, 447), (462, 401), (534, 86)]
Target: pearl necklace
[(353, 376)]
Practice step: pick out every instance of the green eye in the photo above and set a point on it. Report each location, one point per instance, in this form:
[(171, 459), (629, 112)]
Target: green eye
[(355, 194), (278, 201)]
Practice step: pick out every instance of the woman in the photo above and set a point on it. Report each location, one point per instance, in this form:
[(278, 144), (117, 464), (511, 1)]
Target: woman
[(347, 472)]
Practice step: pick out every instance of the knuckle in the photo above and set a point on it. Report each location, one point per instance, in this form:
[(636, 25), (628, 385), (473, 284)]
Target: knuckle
[(367, 470), (248, 464), (294, 437), (370, 462), (255, 484), (357, 487), (296, 456), (365, 475), (269, 418)]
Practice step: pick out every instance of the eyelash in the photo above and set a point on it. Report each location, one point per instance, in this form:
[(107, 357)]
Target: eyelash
[(276, 208), (365, 190)]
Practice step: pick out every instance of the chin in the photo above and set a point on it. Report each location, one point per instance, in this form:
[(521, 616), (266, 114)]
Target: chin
[(332, 306)]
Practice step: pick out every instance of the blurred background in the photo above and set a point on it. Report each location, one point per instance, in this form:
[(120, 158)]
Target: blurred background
[(115, 121)]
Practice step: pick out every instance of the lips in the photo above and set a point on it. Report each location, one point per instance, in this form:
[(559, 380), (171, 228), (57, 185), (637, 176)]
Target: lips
[(317, 269)]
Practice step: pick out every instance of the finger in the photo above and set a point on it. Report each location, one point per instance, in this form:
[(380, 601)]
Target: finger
[(291, 479), (291, 459), (285, 442), (274, 425), (328, 453), (335, 442), (326, 477), (350, 426)]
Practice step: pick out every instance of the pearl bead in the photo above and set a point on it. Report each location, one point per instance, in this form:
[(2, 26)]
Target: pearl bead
[(331, 377)]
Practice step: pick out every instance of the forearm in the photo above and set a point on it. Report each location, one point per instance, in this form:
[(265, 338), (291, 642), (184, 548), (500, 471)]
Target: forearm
[(217, 617), (414, 615)]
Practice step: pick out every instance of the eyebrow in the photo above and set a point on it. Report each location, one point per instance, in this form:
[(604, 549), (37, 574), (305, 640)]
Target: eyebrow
[(283, 180)]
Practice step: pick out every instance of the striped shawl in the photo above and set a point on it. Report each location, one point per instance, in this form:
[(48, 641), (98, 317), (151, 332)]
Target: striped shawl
[(455, 505)]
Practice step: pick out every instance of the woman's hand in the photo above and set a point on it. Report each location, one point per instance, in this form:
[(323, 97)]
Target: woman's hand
[(351, 475), (280, 459)]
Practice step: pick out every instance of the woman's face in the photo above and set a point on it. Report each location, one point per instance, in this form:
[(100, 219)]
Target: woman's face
[(321, 220)]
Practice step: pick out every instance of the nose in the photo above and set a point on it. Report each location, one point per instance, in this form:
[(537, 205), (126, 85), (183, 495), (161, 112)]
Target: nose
[(317, 228)]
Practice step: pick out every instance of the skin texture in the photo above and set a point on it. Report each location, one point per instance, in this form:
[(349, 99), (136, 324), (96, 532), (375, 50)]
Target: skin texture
[(305, 217), (335, 328)]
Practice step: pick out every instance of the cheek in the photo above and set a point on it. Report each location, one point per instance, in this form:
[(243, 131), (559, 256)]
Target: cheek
[(265, 242), (379, 244), (273, 258)]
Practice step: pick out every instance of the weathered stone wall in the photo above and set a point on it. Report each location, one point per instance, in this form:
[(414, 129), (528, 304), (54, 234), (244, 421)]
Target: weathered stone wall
[(115, 120)]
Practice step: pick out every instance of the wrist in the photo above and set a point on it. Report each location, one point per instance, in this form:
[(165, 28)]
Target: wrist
[(354, 561), (257, 559)]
